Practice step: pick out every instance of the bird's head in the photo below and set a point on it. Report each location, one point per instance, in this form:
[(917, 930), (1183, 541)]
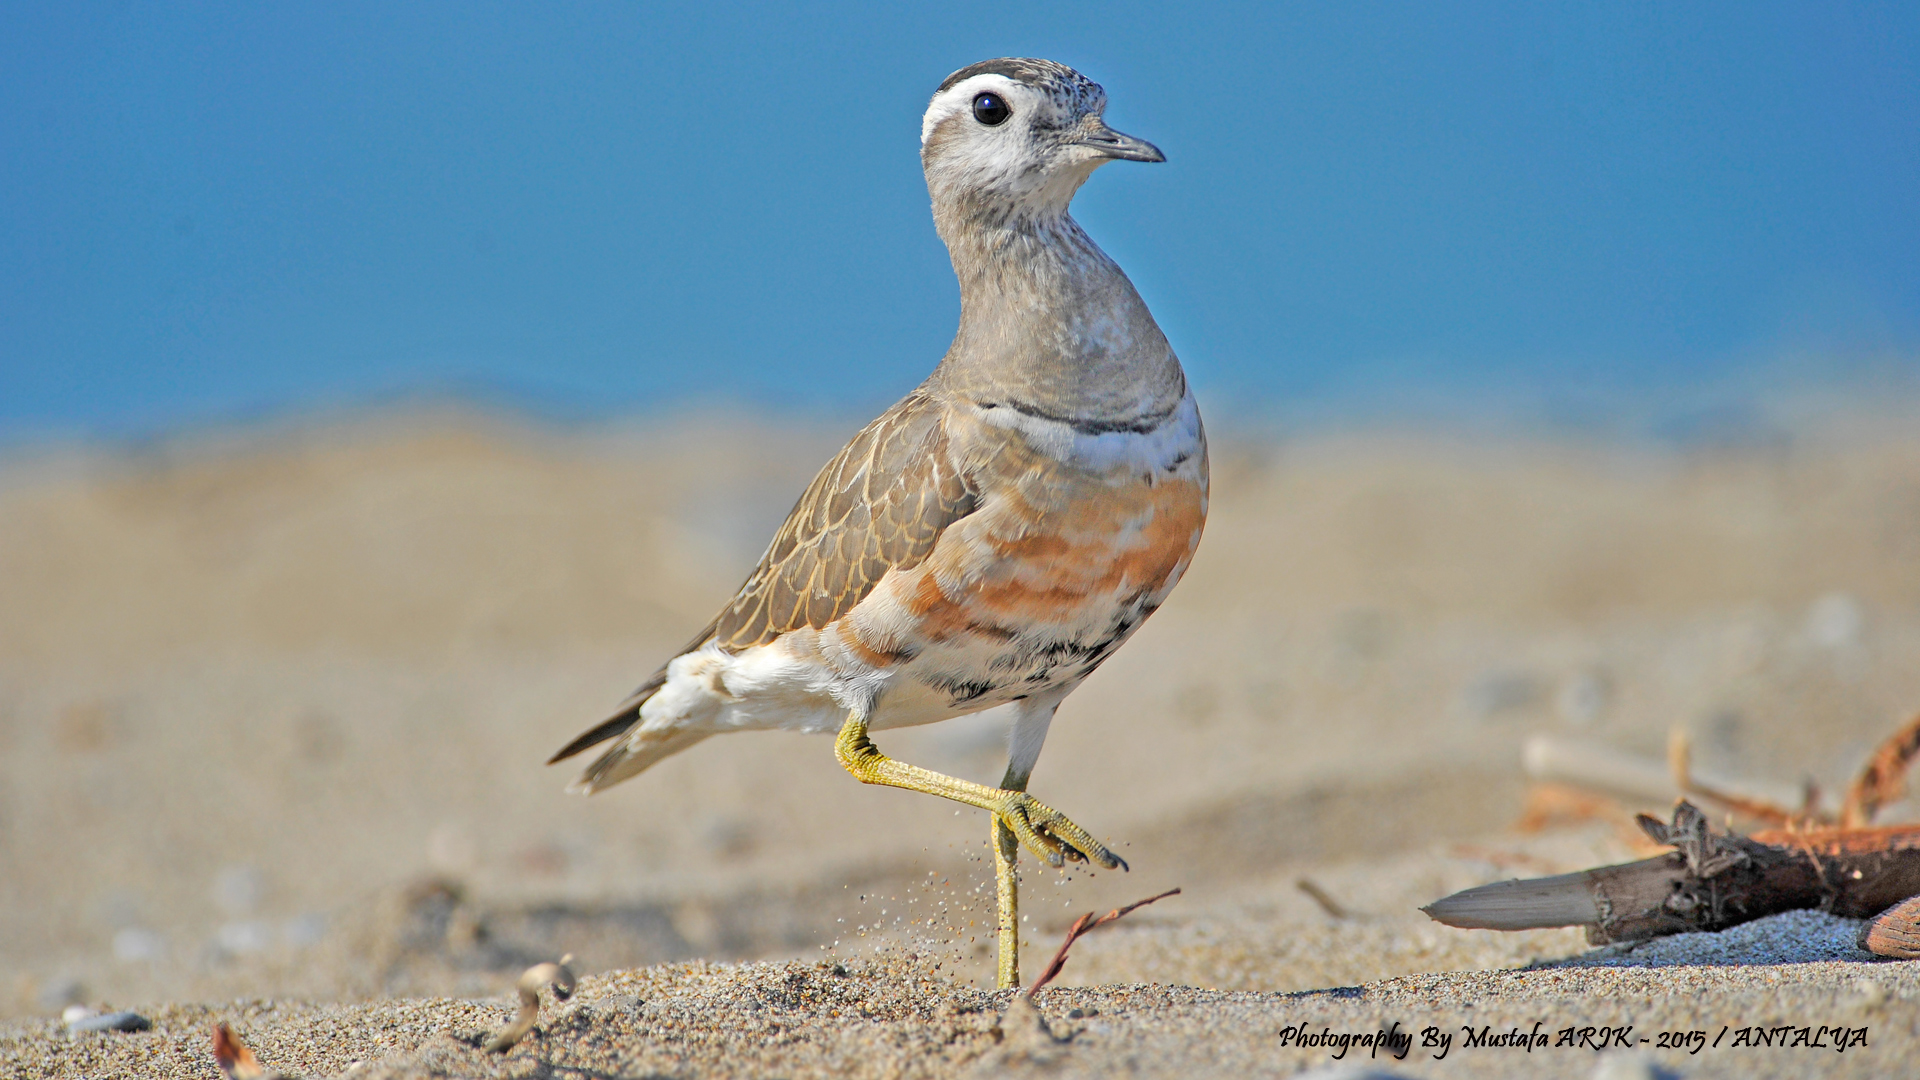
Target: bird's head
[(1017, 137)]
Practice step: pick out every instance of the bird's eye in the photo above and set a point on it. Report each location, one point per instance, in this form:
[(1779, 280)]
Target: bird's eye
[(991, 110)]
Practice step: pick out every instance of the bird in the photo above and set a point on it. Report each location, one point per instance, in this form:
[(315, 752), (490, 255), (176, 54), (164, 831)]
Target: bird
[(995, 535)]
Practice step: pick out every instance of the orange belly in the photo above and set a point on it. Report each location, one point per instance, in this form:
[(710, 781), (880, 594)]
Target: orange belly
[(1035, 590)]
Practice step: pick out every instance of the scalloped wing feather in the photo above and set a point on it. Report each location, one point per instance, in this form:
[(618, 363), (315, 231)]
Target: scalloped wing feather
[(879, 505)]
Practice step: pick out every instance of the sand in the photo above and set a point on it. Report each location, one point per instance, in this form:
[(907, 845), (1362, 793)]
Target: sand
[(899, 1012), (272, 705)]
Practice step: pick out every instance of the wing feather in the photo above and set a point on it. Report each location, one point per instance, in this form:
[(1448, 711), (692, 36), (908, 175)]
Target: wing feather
[(879, 505)]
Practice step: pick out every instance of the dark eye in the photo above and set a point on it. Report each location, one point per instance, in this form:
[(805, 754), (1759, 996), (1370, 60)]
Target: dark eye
[(990, 110)]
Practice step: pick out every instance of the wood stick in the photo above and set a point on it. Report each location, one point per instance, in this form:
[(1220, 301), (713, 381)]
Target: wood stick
[(1680, 764), (1884, 778), (1322, 897), (1596, 766), (1709, 882)]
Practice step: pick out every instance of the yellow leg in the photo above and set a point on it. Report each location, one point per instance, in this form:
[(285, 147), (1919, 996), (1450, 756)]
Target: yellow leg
[(1018, 819), (1006, 856)]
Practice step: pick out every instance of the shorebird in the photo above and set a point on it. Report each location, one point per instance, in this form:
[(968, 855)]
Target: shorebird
[(998, 533)]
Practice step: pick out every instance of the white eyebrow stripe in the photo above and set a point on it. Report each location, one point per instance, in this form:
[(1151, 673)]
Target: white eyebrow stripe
[(957, 97)]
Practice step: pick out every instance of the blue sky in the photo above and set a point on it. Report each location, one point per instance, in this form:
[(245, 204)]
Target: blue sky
[(216, 211)]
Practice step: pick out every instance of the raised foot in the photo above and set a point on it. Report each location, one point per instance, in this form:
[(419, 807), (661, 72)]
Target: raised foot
[(1047, 833)]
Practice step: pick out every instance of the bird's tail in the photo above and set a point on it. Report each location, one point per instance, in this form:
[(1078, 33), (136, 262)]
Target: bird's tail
[(634, 752), (633, 755)]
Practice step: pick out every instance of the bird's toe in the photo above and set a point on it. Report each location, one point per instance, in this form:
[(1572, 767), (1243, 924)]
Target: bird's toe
[(1053, 836)]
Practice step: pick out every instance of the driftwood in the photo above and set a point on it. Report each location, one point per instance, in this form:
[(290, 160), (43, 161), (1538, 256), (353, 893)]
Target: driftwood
[(1714, 880), (1710, 881)]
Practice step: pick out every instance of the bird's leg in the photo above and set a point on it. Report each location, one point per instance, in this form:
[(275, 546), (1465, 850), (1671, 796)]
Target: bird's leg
[(1018, 818), (1042, 829), (1006, 880)]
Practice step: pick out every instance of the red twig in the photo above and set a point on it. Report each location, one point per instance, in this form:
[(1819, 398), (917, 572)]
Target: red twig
[(1082, 926)]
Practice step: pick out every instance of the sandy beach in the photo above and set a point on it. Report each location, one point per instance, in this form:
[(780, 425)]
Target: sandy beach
[(273, 704)]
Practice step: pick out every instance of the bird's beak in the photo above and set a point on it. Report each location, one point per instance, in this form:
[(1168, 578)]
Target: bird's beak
[(1098, 136)]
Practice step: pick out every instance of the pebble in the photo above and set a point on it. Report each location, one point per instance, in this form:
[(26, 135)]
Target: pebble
[(81, 1019)]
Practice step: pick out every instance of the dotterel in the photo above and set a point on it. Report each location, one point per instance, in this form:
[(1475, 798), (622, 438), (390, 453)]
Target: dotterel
[(998, 533)]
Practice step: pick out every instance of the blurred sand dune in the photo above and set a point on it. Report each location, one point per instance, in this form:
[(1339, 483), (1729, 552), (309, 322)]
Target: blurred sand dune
[(257, 690)]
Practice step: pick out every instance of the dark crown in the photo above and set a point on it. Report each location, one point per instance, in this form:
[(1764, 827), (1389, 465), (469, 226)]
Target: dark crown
[(1072, 89)]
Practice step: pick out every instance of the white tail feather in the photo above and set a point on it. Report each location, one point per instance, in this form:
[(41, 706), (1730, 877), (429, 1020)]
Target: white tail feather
[(633, 755)]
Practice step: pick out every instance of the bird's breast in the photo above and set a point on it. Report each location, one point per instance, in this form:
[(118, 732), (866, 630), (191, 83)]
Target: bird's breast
[(1079, 536)]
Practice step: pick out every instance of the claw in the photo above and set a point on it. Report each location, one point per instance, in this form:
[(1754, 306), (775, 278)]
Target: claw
[(1050, 835)]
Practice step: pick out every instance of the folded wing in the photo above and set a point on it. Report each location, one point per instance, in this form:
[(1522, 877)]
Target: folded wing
[(880, 504)]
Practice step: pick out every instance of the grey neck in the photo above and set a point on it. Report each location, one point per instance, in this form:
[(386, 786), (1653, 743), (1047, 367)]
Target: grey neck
[(1051, 326)]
